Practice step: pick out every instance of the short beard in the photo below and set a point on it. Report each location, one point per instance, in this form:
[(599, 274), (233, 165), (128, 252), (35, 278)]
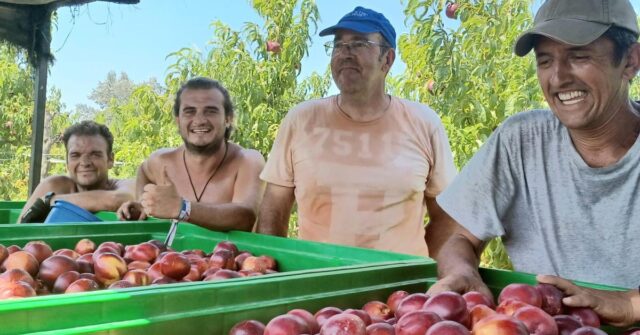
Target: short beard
[(204, 150), (98, 185)]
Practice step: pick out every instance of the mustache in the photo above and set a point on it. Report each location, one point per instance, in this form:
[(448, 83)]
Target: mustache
[(348, 63)]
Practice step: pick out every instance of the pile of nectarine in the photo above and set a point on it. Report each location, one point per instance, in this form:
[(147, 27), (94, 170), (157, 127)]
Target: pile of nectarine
[(37, 269), (522, 309)]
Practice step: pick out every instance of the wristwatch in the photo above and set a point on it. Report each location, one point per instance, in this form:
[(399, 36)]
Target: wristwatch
[(47, 198)]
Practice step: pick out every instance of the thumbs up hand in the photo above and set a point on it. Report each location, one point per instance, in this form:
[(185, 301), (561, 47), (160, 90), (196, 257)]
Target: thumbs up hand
[(161, 200)]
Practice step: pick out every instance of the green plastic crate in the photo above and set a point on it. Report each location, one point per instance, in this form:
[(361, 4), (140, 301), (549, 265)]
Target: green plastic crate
[(291, 254), (112, 216), (314, 275), (10, 211), (306, 270), (203, 308), (9, 215), (12, 204), (497, 279)]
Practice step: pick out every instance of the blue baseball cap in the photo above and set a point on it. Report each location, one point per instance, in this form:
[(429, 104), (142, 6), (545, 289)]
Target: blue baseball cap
[(365, 21)]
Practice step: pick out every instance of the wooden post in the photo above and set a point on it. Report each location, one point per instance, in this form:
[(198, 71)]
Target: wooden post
[(41, 16), (38, 123)]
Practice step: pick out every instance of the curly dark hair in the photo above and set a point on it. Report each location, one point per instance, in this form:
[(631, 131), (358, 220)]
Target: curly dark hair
[(89, 128)]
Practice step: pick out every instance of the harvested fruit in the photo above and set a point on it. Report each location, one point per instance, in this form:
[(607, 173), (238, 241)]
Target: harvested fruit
[(90, 266)]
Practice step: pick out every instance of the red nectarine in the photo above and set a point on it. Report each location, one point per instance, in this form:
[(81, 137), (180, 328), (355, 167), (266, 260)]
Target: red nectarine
[(585, 315), (394, 299), (54, 266), (521, 292), (39, 249), (380, 328), (175, 265), (537, 321), (248, 327), (85, 246), (64, 280), (416, 322), (286, 324), (343, 324), (449, 306), (109, 268), (551, 298), (499, 324), (82, 285), (21, 260), (308, 318), (448, 327)]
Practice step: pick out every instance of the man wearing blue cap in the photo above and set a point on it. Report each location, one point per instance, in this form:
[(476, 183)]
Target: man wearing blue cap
[(363, 166), (561, 185)]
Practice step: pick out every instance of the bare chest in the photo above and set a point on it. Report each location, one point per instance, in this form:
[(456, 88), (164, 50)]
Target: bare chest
[(203, 188)]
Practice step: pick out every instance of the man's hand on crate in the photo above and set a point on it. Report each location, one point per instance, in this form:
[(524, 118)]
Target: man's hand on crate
[(617, 308), (461, 284), (131, 210)]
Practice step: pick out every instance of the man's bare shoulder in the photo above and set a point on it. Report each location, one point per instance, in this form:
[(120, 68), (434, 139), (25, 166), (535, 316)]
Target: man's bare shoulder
[(249, 156), (60, 184), (153, 166), (119, 184), (162, 157), (165, 153)]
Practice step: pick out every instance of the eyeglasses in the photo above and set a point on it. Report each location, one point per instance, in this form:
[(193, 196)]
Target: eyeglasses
[(357, 46)]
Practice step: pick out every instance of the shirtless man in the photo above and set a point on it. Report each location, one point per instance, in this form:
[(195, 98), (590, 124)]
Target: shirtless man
[(89, 148), (208, 180)]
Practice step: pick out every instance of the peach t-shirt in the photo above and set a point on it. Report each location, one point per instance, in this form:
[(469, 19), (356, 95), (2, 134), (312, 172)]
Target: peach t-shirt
[(362, 183)]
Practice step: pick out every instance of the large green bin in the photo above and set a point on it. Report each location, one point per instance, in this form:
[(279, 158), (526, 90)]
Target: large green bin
[(309, 271), (10, 213), (314, 275), (206, 308), (210, 308), (12, 204), (360, 288), (291, 254)]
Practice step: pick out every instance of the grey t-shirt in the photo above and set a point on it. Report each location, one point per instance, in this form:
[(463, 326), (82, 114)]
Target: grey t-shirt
[(556, 214)]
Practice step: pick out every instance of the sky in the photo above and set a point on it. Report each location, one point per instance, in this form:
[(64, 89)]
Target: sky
[(100, 37), (92, 40)]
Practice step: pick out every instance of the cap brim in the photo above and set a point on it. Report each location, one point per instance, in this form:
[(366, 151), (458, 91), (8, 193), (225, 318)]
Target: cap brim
[(569, 31), (349, 25)]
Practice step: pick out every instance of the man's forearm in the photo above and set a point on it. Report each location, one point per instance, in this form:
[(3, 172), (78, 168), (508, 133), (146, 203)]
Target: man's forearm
[(273, 221), (223, 217), (457, 256), (275, 210), (97, 200), (635, 303)]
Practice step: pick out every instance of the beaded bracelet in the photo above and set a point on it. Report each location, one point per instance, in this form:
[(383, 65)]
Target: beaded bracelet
[(185, 211)]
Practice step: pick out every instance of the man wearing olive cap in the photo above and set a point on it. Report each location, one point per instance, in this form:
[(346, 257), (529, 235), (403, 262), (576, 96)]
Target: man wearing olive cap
[(560, 186), (364, 167)]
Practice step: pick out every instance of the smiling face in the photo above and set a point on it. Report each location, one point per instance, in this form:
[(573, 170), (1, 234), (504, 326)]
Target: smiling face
[(88, 161), (582, 86), (201, 120), (363, 69)]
